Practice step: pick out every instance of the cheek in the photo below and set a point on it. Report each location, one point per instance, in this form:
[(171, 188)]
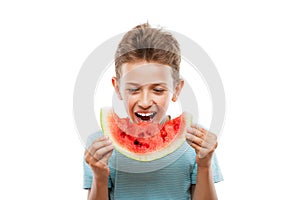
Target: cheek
[(129, 101), (163, 101)]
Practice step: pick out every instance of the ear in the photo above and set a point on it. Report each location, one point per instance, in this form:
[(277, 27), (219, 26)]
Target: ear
[(115, 84), (177, 90)]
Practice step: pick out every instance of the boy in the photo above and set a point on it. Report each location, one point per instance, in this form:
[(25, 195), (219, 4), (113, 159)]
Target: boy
[(147, 77)]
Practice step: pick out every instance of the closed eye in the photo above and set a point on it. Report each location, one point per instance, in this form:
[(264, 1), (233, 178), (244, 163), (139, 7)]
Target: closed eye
[(133, 89), (159, 90)]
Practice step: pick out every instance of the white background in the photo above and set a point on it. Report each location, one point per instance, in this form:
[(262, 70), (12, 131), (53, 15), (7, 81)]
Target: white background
[(255, 46)]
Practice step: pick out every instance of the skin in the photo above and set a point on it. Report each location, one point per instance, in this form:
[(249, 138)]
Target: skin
[(148, 88)]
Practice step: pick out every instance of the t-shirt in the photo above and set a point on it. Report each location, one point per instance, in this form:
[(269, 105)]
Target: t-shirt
[(172, 181)]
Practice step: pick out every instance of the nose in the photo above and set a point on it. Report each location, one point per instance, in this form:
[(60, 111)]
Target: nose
[(145, 100)]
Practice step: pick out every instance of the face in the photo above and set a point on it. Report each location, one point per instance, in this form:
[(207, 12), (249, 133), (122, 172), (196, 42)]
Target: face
[(146, 89)]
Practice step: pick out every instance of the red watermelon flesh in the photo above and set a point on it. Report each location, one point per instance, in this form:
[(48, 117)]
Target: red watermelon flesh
[(140, 130), (144, 141)]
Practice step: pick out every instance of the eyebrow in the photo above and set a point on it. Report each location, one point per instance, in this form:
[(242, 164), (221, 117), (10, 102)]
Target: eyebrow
[(137, 84)]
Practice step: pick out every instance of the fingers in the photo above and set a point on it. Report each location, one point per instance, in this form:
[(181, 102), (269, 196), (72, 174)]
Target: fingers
[(97, 145), (200, 133), (200, 139), (92, 161), (101, 149), (201, 152), (199, 129), (106, 157)]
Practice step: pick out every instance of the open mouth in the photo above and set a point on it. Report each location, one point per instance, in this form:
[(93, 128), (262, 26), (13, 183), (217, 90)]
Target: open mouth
[(145, 116)]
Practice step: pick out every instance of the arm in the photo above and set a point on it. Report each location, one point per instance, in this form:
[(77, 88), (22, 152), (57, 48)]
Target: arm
[(97, 157), (98, 191), (204, 188), (204, 144)]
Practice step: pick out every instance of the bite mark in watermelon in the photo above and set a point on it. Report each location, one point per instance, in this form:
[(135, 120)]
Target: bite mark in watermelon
[(144, 141)]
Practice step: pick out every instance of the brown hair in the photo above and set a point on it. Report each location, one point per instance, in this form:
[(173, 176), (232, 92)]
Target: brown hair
[(144, 43)]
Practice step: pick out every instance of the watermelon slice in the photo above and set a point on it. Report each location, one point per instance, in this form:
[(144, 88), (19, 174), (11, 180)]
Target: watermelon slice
[(144, 141)]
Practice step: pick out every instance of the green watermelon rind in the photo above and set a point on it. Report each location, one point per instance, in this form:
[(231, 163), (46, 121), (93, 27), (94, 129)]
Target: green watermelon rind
[(179, 140)]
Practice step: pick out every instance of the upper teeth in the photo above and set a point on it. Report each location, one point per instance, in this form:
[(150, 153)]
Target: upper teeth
[(145, 114)]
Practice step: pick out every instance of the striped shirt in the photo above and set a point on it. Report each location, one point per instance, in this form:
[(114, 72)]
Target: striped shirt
[(166, 178)]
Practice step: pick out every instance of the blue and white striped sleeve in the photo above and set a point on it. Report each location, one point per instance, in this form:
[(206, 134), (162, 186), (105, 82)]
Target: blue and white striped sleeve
[(217, 174)]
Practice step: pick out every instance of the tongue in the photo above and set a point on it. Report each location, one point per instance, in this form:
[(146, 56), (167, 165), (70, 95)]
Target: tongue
[(145, 118)]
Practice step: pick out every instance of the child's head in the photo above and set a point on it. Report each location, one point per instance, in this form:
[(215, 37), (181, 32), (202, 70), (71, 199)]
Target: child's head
[(147, 64), (147, 44)]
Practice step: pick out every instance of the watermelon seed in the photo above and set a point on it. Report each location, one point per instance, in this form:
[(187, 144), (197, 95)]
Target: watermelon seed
[(136, 142)]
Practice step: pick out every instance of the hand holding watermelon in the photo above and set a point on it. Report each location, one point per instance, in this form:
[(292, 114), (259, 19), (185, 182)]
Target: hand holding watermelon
[(97, 156), (204, 143)]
